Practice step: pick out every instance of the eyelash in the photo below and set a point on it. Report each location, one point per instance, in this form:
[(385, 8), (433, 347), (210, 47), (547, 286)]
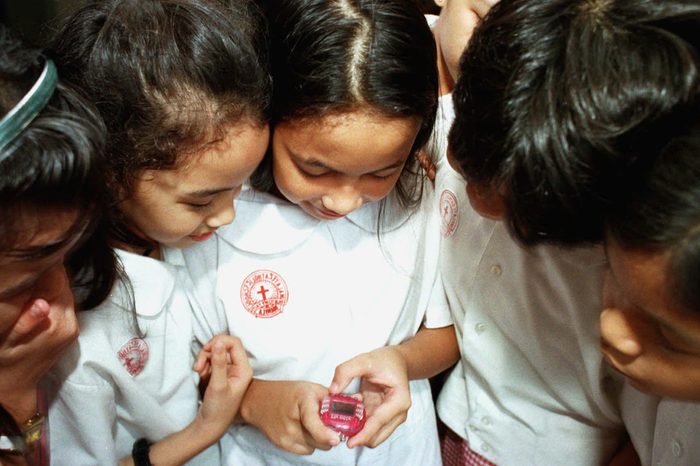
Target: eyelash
[(199, 206), (317, 175)]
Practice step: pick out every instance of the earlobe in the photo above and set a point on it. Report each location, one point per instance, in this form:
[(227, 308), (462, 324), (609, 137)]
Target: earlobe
[(440, 3), (617, 332), (487, 202)]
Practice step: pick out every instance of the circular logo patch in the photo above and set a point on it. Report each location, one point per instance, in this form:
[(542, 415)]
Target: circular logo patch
[(134, 355), (264, 293), (449, 212)]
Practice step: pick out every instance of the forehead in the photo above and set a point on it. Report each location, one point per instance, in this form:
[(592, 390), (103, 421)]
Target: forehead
[(223, 162), (352, 141), (641, 275), (480, 7)]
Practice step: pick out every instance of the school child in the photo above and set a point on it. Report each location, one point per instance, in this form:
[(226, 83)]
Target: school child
[(567, 159), (329, 273), (183, 92), (650, 326), (532, 387), (50, 185), (452, 29)]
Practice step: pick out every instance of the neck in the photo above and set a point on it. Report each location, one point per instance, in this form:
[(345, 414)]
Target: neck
[(445, 81)]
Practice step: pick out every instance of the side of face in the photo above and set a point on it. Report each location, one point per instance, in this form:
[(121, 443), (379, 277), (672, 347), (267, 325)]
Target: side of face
[(645, 333), (454, 28), (333, 165), (185, 205), (35, 290)]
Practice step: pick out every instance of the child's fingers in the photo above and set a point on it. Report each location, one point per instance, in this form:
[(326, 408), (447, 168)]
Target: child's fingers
[(383, 421), (319, 435), (345, 372), (384, 432), (218, 366), (35, 315), (201, 362)]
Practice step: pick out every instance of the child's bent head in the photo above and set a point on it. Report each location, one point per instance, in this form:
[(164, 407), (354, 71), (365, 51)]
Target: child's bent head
[(184, 91), (557, 97), (50, 191), (651, 328), (348, 71)]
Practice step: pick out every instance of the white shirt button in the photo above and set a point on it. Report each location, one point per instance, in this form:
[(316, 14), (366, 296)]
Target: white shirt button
[(473, 428), (486, 420), (485, 447), (496, 270), (676, 448), (480, 327)]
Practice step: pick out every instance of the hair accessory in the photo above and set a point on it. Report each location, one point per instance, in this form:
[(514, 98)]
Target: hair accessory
[(29, 106)]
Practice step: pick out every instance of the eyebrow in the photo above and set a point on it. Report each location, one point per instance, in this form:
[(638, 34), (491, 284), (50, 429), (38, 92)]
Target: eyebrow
[(44, 250), (318, 164), (208, 192), (38, 253)]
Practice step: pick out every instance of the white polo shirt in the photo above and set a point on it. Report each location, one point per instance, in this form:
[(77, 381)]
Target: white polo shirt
[(663, 431), (306, 295), (113, 387), (531, 387)]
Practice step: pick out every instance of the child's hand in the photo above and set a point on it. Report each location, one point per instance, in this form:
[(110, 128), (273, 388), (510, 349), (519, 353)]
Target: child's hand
[(287, 413), (229, 374), (384, 389)]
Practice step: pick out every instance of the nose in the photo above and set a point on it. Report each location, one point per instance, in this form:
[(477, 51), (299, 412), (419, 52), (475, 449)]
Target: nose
[(223, 215), (342, 201)]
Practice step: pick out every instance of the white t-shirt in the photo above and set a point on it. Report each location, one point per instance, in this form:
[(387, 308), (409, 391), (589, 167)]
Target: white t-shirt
[(531, 387), (306, 295), (663, 431), (113, 387)]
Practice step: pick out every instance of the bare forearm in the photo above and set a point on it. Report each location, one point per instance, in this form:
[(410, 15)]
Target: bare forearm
[(429, 352), (179, 447)]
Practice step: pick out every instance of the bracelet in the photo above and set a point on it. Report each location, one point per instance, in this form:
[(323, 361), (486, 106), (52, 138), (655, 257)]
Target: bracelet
[(23, 444), (139, 452), (31, 429)]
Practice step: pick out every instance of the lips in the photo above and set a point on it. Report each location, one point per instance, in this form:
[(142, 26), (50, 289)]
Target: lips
[(202, 237), (330, 215)]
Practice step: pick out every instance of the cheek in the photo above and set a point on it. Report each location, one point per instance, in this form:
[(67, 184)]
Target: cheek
[(9, 312), (292, 184)]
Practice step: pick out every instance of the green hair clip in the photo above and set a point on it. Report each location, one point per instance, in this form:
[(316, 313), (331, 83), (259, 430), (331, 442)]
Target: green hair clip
[(28, 107)]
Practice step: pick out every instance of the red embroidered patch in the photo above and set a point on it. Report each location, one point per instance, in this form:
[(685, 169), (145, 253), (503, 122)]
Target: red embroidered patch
[(134, 355), (264, 293), (449, 212)]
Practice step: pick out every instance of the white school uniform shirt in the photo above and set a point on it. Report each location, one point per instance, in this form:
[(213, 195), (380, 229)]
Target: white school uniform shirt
[(112, 388), (305, 295), (664, 431), (531, 387)]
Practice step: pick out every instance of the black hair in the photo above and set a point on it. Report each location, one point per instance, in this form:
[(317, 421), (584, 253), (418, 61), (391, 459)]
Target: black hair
[(660, 211), (167, 76), (55, 163), (559, 98), (338, 56)]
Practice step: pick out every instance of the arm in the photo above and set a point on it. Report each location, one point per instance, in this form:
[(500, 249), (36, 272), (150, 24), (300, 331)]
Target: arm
[(627, 456), (287, 413), (385, 374), (230, 376)]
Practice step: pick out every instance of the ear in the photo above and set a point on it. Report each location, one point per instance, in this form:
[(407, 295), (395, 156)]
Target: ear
[(486, 201), (440, 3)]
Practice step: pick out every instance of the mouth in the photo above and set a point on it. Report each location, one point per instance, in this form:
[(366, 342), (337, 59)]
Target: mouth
[(202, 237), (328, 214)]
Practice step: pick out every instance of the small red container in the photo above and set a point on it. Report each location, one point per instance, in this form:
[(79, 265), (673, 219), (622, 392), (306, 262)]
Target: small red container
[(343, 413)]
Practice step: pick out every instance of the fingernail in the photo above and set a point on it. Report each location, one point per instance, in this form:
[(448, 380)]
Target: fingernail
[(40, 308), (333, 389)]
